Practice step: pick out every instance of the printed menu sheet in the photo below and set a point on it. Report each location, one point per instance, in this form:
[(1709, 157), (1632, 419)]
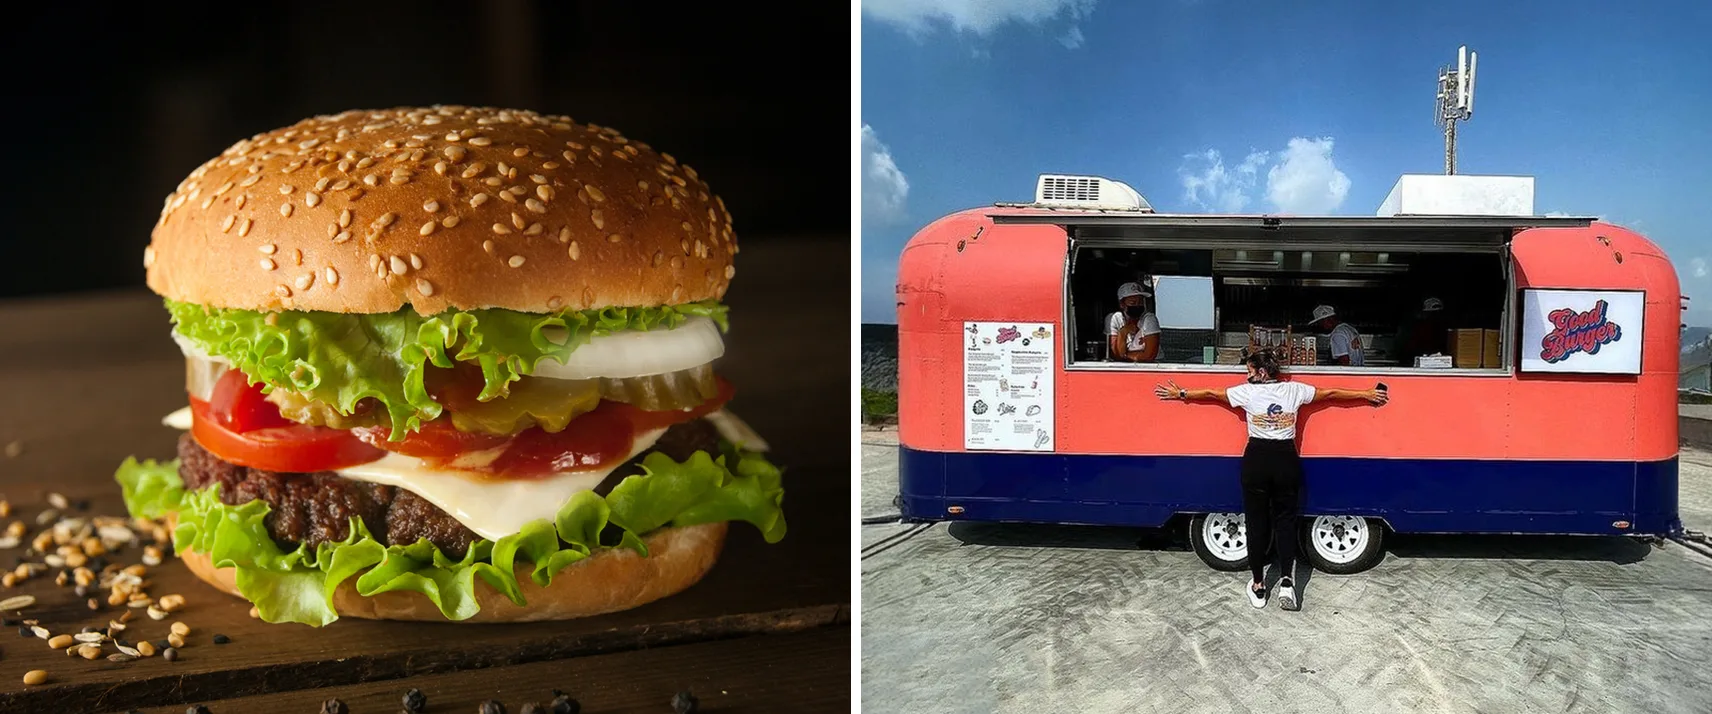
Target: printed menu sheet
[(1007, 386)]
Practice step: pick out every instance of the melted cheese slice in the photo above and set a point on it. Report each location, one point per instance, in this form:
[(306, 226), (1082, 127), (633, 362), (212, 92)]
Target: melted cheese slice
[(495, 508)]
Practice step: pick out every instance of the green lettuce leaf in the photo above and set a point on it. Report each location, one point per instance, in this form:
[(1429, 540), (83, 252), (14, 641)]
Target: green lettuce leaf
[(341, 359), (298, 586)]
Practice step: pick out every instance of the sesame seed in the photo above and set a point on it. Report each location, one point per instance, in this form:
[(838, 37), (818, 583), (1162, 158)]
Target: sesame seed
[(575, 251), (598, 218), (341, 184), (455, 153), (399, 180), (286, 189), (517, 220), (296, 257), (431, 206), (687, 227), (545, 192), (658, 257), (374, 263), (533, 229), (520, 152), (332, 276), (148, 256), (267, 248), (386, 219), (267, 264), (283, 292), (685, 244), (564, 234), (372, 179), (730, 271), (555, 302), (223, 188), (507, 196), (209, 201), (311, 199), (550, 165), (480, 141), (504, 169), (453, 136), (538, 178), (440, 168), (477, 200), (244, 229), (366, 162), (251, 181), (305, 280), (399, 267), (487, 245), (516, 261), (594, 193), (424, 287), (677, 262), (415, 261), (569, 157), (427, 228), (614, 238), (226, 225), (501, 229), (535, 206), (493, 181), (321, 184), (449, 221), (342, 237), (285, 209)]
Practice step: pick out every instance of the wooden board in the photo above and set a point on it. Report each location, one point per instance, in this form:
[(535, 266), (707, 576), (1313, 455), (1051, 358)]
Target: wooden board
[(88, 378), (804, 672)]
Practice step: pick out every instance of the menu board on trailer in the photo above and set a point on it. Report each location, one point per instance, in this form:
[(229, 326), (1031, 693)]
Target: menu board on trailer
[(1007, 386), (1582, 331)]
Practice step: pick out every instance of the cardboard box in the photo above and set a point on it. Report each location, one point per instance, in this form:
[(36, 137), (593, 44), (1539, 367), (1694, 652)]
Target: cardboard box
[(1489, 352), (1433, 362), (1465, 347)]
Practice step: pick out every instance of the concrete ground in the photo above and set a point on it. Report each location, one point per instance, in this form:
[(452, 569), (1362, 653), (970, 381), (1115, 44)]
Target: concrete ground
[(1014, 618)]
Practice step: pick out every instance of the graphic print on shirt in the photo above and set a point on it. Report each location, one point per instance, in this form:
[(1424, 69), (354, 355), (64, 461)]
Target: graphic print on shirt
[(1274, 418)]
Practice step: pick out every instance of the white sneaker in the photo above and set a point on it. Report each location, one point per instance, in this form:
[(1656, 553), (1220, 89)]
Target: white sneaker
[(1287, 595), (1256, 598)]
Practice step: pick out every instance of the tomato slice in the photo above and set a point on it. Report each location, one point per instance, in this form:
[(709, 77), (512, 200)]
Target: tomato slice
[(286, 449), (240, 406)]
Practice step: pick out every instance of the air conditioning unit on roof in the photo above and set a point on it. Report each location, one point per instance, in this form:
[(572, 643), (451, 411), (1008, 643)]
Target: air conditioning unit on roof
[(1088, 193)]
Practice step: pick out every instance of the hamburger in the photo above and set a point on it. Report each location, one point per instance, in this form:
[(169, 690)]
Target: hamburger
[(449, 363)]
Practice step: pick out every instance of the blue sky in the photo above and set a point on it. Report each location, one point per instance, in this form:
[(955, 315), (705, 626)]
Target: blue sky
[(1227, 106)]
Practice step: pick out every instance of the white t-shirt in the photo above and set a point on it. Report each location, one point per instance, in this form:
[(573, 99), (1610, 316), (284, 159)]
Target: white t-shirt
[(1147, 325), (1271, 407), (1346, 341)]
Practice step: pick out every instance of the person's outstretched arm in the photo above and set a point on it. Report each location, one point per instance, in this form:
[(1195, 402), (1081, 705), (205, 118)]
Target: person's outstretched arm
[(1376, 396), (1170, 390)]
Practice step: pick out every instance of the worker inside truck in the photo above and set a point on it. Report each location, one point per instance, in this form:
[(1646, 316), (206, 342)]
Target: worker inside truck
[(1132, 333), (1346, 342), (1423, 334)]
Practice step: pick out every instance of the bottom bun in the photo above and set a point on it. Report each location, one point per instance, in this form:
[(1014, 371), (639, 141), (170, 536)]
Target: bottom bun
[(609, 581)]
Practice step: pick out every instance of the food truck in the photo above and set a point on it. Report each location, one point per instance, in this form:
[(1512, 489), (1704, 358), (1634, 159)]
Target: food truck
[(1542, 400)]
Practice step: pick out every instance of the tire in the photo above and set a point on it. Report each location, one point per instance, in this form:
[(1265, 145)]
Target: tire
[(1343, 545), (1221, 540)]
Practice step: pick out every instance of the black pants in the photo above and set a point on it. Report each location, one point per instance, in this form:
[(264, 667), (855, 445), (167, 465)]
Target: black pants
[(1271, 498)]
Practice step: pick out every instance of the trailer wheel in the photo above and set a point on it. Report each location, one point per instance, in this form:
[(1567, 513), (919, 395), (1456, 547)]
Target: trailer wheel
[(1220, 539), (1344, 545)]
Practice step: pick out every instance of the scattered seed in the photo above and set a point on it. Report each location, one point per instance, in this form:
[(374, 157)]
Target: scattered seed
[(255, 612), (332, 275), (267, 264), (535, 206), (244, 229), (492, 706), (342, 237), (415, 701), (515, 262), (48, 516), (564, 704), (501, 229), (533, 708), (121, 657), (594, 193), (156, 613), (334, 706), (40, 632), (171, 654), (57, 500), (146, 649), (517, 220), (614, 238), (180, 629), (17, 603), (311, 199), (487, 245), (60, 642), (127, 649), (684, 703), (449, 221), (424, 287), (89, 637), (506, 196), (176, 640), (427, 228), (35, 676), (480, 141), (89, 652), (477, 200)]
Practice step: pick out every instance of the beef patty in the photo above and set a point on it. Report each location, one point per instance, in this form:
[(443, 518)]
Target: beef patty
[(317, 507)]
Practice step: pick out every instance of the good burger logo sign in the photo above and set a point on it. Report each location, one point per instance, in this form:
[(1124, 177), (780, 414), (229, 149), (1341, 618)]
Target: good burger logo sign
[(1578, 332)]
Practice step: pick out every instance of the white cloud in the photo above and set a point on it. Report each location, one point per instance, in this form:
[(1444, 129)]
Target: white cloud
[(1210, 185), (1559, 214), (979, 17), (1305, 180), (1301, 179), (1697, 266), (884, 187)]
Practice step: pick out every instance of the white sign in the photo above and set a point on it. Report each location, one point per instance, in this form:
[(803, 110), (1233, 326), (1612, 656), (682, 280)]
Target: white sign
[(1007, 386), (1582, 331)]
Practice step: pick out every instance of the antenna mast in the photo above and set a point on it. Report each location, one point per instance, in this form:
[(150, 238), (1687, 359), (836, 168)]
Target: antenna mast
[(1455, 101)]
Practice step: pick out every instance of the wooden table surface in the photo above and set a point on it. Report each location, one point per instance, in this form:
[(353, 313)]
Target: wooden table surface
[(85, 380)]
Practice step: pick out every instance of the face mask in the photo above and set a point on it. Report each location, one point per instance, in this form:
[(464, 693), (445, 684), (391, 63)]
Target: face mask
[(1135, 311)]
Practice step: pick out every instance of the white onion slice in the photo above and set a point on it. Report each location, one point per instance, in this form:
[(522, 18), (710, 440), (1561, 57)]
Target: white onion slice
[(635, 353), (201, 373)]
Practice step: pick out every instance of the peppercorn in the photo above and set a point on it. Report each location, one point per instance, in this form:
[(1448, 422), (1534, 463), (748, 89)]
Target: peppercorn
[(564, 704), (25, 631), (415, 700), (221, 639), (684, 703), (171, 654), (492, 706)]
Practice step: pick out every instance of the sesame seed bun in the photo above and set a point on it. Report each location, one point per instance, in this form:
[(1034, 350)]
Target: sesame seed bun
[(609, 581), (439, 208)]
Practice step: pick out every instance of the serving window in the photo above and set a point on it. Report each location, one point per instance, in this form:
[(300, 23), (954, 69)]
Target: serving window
[(1213, 295)]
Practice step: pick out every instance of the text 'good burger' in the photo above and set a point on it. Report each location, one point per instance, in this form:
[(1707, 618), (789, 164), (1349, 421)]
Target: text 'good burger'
[(449, 363)]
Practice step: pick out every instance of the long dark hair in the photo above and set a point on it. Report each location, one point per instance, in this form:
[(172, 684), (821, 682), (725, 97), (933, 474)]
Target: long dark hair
[(1265, 360)]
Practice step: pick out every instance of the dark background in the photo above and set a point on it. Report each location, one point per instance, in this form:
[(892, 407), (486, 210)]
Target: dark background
[(110, 106)]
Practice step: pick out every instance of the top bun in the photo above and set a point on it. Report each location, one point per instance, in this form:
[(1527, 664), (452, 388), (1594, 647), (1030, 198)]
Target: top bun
[(439, 208)]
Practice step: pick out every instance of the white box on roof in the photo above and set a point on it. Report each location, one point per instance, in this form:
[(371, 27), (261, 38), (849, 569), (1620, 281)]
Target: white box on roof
[(1460, 195)]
